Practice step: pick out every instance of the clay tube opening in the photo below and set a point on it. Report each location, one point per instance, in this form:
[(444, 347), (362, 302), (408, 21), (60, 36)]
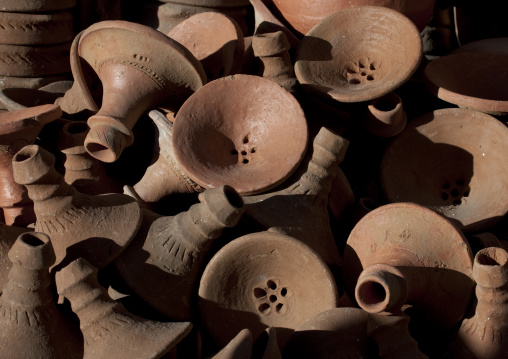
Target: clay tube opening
[(233, 197), (33, 240), (24, 154), (101, 152), (372, 296), (492, 257)]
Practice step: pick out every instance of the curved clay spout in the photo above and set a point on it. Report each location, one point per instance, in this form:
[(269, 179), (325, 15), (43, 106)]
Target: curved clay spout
[(8, 235)]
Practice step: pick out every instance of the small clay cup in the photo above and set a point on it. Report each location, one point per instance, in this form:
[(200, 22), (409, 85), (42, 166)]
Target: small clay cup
[(385, 116)]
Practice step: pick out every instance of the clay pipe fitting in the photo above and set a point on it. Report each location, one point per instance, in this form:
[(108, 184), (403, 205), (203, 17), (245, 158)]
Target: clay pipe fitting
[(385, 116)]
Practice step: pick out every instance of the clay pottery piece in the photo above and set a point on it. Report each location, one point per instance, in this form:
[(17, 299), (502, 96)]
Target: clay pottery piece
[(256, 281), (496, 45), (164, 178), (385, 116), (214, 39), (240, 347), (484, 334), (300, 210), (18, 129), (31, 325), (85, 173), (470, 80), (109, 330), (34, 61), (452, 161), (8, 235), (36, 6), (176, 247), (19, 98), (36, 29), (403, 253), (96, 228), (58, 87), (29, 82), (252, 146), (358, 54), (273, 50), (486, 240), (122, 53), (334, 333), (211, 3)]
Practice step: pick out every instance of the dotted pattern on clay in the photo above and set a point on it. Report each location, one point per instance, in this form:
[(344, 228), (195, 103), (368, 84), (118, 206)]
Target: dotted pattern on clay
[(246, 151), (455, 192), (271, 298), (362, 70)]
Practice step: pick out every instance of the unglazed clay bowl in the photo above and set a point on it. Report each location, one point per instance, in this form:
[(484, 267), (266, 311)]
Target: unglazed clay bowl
[(264, 280), (358, 54), (244, 131), (474, 80), (452, 161)]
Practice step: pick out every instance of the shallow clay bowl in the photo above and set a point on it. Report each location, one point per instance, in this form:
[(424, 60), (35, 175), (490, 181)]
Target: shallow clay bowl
[(454, 162), (264, 280), (244, 131), (358, 54), (474, 80)]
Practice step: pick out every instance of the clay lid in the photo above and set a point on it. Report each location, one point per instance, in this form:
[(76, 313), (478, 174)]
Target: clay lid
[(472, 80), (452, 161), (214, 39), (244, 131), (358, 54), (24, 119), (406, 235), (260, 280)]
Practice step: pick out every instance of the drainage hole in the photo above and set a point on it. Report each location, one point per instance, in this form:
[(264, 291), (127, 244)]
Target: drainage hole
[(273, 298), (457, 202), (283, 292), (444, 196), (279, 307), (455, 193), (271, 284), (253, 150), (245, 161), (263, 308), (354, 81), (244, 153), (259, 292)]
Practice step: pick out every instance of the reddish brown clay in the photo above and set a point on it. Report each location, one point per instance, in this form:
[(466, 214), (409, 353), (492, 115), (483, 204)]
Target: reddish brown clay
[(215, 40), (452, 161), (29, 82), (176, 248), (109, 330), (240, 347), (484, 335), (252, 146), (123, 53), (470, 80), (385, 116), (18, 129), (96, 228), (300, 210), (334, 333), (358, 54), (256, 281), (14, 99), (30, 324), (404, 250), (36, 5), (8, 235), (272, 49)]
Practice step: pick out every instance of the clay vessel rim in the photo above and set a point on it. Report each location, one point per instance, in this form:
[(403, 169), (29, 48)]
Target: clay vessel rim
[(498, 45), (23, 119)]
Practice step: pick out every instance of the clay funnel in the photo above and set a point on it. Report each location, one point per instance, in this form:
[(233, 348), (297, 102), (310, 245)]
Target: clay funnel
[(123, 53), (256, 281), (334, 333), (301, 209), (167, 255), (18, 129), (252, 146), (385, 116), (109, 330), (404, 249), (8, 235), (96, 228), (31, 326), (215, 40), (452, 161), (358, 54)]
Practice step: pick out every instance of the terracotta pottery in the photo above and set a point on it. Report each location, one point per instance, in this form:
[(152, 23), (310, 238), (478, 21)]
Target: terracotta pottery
[(334, 333), (109, 330), (36, 6), (484, 334), (96, 228), (175, 248), (301, 209), (272, 347), (29, 82), (211, 3), (18, 129), (452, 161), (34, 61), (385, 116), (31, 326), (14, 99), (57, 87), (123, 53), (215, 40), (403, 253), (83, 171), (164, 177), (8, 235), (470, 80), (358, 54), (240, 347), (252, 146), (36, 29), (486, 240), (272, 49), (256, 281)]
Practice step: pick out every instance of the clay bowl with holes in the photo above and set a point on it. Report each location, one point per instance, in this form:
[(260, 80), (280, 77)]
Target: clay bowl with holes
[(358, 54), (474, 80), (454, 162), (264, 280), (242, 130)]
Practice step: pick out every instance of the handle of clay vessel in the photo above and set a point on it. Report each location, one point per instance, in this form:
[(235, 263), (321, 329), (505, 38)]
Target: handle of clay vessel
[(385, 116), (107, 138), (490, 267), (381, 288)]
